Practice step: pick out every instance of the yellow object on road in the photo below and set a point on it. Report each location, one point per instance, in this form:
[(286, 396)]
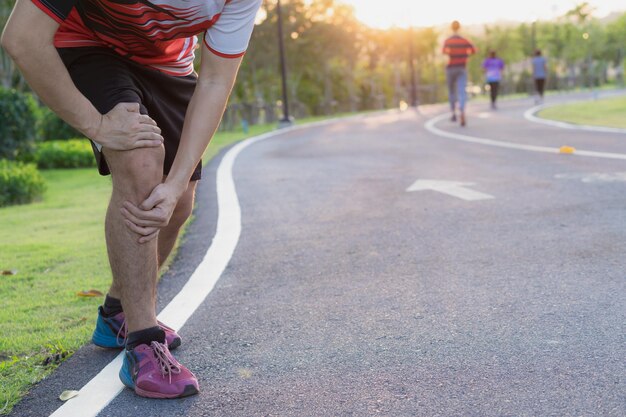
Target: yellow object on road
[(567, 149)]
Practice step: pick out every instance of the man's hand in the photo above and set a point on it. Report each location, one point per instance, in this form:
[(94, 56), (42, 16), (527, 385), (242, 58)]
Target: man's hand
[(124, 128), (153, 214)]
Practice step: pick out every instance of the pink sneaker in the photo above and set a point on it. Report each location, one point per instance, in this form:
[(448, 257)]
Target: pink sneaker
[(111, 332), (151, 371)]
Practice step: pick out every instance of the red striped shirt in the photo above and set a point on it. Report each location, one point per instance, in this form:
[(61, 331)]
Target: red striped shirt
[(459, 50), (155, 33)]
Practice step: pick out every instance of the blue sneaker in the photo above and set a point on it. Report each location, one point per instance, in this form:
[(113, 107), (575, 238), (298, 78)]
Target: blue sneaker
[(111, 332)]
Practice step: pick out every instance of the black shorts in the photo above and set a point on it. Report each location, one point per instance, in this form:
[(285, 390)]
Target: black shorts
[(107, 79)]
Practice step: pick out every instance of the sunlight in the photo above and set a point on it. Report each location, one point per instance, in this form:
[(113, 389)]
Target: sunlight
[(404, 13)]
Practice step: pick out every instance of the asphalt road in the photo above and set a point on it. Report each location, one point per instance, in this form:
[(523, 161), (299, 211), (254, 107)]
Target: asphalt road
[(349, 296)]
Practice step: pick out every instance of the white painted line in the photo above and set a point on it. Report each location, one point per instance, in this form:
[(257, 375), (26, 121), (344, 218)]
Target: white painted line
[(595, 177), (105, 386), (430, 126), (452, 188), (531, 116), (94, 396)]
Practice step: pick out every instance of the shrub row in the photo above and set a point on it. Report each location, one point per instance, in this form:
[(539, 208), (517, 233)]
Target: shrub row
[(18, 121), (23, 123), (20, 183), (52, 127), (23, 127), (71, 153)]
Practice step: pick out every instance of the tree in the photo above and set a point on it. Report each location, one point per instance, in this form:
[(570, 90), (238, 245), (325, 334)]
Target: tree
[(10, 77)]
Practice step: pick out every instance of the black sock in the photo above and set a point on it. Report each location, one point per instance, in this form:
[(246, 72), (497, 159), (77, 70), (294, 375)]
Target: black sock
[(145, 336), (112, 306)]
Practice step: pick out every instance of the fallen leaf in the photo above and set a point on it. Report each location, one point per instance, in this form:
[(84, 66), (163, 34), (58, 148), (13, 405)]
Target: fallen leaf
[(245, 373), (66, 395), (9, 272), (90, 293)]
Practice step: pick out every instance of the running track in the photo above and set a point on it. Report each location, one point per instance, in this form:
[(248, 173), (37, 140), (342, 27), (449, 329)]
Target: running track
[(341, 293)]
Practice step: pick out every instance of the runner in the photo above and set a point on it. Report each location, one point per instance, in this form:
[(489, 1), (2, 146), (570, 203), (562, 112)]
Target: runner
[(493, 67), (121, 72), (540, 71), (459, 50)]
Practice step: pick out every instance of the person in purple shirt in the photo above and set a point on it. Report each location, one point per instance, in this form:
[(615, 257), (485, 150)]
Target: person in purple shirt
[(493, 67), (540, 71)]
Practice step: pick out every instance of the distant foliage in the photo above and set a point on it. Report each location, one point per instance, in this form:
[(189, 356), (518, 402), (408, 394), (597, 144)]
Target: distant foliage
[(52, 127), (71, 153), (18, 119), (20, 183)]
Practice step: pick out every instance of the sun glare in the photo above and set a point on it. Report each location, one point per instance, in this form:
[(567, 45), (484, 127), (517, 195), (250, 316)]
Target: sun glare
[(404, 13)]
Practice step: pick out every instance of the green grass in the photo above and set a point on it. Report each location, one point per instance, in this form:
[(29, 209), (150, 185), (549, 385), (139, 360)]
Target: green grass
[(604, 112), (57, 248)]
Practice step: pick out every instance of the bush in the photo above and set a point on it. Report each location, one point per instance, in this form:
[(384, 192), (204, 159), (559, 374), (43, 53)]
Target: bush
[(71, 153), (18, 119), (20, 183), (52, 127)]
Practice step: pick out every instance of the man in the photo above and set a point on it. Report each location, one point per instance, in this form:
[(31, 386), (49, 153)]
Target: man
[(121, 72), (459, 50)]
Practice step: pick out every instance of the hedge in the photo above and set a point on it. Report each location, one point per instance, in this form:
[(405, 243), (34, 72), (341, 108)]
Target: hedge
[(20, 183), (71, 153), (19, 113), (51, 127)]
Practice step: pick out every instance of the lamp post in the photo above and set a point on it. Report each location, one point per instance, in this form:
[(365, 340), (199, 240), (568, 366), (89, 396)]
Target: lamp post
[(412, 69), (286, 120), (533, 36)]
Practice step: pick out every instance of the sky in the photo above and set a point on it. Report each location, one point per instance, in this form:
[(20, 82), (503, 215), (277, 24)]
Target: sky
[(404, 13)]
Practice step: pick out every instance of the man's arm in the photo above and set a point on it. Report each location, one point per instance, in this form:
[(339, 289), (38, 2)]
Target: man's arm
[(28, 38), (215, 82), (446, 48), (471, 49)]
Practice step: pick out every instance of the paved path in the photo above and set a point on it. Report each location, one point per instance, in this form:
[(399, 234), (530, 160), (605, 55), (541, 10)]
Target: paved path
[(347, 295)]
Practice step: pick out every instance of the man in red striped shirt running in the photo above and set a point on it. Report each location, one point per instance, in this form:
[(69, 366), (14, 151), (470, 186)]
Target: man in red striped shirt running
[(459, 50)]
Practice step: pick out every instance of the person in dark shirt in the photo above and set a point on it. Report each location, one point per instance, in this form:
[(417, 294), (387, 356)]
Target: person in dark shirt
[(459, 50)]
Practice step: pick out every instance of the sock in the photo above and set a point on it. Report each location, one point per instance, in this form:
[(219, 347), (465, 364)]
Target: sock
[(112, 306), (144, 337)]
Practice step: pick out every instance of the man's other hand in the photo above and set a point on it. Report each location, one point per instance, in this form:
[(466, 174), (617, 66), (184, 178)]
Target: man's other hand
[(152, 214)]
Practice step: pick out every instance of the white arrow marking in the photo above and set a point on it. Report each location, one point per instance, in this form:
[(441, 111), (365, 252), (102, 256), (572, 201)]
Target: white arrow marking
[(453, 188)]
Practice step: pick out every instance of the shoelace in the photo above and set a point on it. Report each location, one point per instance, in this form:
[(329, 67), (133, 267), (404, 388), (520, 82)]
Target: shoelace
[(119, 333), (166, 362)]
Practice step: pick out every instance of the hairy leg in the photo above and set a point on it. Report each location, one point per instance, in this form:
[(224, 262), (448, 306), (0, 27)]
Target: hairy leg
[(134, 266), (167, 235)]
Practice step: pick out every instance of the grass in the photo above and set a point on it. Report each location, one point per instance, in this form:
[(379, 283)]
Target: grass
[(604, 112), (57, 248)]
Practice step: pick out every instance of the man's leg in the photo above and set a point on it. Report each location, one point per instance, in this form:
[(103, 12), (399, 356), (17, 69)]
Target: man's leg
[(494, 93), (134, 266), (168, 235), (148, 367), (450, 78), (461, 82), (541, 88)]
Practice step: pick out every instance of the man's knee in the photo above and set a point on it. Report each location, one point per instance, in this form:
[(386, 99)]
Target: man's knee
[(136, 172)]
